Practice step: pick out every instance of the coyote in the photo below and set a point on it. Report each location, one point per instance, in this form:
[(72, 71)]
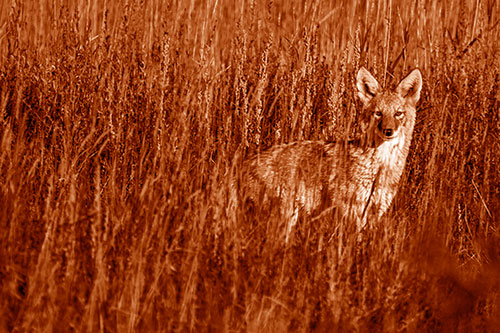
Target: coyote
[(356, 179)]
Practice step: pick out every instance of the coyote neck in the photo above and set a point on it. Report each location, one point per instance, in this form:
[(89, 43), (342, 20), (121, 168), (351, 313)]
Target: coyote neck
[(391, 155)]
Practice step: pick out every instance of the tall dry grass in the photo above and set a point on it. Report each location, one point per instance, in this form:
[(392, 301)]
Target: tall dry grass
[(120, 123)]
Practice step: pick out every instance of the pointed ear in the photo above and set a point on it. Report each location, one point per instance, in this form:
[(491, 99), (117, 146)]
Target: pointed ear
[(367, 86), (409, 88)]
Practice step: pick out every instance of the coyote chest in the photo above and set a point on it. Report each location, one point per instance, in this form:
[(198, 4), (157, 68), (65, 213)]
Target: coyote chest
[(374, 178)]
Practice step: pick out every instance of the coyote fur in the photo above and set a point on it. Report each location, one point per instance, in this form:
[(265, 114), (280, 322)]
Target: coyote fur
[(355, 179)]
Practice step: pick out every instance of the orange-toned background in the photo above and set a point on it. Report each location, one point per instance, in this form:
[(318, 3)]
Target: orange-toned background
[(119, 122)]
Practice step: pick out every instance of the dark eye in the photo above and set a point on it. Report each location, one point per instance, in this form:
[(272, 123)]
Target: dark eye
[(398, 114), (378, 114)]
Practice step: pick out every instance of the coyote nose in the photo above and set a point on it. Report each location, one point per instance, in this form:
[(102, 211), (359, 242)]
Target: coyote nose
[(388, 132)]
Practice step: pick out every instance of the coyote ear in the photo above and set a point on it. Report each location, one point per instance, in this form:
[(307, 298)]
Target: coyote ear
[(367, 86), (409, 88)]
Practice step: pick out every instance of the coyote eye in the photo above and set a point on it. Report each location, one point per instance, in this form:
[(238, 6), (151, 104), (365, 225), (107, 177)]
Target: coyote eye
[(378, 114), (398, 114)]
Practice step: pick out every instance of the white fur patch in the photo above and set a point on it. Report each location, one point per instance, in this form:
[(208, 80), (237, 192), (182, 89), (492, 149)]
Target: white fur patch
[(388, 153)]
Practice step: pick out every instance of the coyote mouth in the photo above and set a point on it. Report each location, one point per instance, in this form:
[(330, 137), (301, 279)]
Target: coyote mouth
[(389, 138)]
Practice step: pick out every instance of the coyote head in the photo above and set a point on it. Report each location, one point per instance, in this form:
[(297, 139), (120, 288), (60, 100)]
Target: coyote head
[(387, 113)]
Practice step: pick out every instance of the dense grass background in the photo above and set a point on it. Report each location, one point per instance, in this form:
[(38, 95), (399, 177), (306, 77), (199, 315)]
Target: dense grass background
[(120, 123)]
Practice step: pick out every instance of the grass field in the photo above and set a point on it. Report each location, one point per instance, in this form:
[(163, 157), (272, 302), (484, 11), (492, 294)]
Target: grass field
[(119, 127)]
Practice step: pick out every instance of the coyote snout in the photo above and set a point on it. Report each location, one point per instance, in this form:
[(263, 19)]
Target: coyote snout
[(356, 179), (389, 125)]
